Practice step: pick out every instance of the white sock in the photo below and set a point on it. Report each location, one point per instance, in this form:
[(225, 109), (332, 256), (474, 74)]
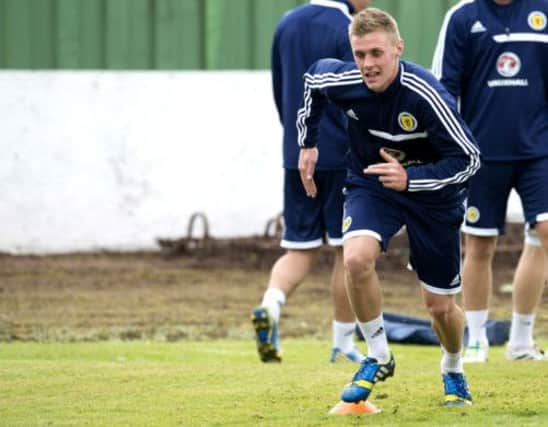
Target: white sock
[(274, 299), (343, 335), (375, 335), (477, 326), (451, 362), (521, 330)]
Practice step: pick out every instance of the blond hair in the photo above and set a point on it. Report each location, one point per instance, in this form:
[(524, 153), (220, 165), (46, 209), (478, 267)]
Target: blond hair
[(373, 19)]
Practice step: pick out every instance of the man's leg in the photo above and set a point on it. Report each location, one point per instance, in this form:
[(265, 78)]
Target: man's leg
[(342, 309), (302, 238), (286, 275), (530, 274), (344, 325), (477, 281), (485, 217), (528, 285), (448, 323), (290, 270), (364, 292)]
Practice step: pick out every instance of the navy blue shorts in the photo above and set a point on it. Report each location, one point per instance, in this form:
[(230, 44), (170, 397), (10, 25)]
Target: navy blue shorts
[(433, 232), (310, 222), (490, 188)]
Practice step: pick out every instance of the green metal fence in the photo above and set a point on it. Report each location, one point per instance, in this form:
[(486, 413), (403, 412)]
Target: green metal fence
[(172, 34)]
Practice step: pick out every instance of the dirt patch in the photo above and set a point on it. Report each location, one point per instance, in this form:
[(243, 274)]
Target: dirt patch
[(198, 295)]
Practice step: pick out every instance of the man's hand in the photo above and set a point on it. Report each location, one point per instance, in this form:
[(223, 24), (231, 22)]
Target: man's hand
[(391, 174), (308, 157)]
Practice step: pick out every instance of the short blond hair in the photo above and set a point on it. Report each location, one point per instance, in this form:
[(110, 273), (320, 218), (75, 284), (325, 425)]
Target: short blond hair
[(373, 19)]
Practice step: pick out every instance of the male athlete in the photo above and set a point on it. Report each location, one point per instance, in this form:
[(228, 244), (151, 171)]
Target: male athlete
[(410, 158), (304, 35), (493, 56)]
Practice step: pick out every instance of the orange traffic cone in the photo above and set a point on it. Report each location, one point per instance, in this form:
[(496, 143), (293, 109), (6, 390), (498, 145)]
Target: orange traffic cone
[(359, 408)]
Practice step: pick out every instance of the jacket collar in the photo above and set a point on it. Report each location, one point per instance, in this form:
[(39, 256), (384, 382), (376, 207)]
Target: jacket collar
[(343, 5)]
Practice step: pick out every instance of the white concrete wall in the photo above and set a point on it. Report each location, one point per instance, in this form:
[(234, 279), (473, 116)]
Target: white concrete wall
[(113, 160)]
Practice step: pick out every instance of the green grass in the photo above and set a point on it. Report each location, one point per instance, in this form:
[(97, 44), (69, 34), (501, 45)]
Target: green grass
[(222, 383)]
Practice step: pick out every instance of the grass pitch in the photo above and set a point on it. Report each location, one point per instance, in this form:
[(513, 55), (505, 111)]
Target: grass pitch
[(222, 383)]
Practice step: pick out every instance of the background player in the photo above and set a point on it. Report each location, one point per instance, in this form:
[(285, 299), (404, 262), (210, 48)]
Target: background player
[(493, 56), (304, 35)]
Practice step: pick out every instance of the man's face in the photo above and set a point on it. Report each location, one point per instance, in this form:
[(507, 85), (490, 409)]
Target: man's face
[(377, 56)]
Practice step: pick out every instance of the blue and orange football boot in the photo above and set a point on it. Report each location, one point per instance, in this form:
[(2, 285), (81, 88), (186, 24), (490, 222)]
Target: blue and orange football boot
[(370, 372), (456, 390)]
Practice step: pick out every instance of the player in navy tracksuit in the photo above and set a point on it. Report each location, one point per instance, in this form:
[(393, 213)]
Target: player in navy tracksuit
[(410, 158), (493, 56), (304, 35)]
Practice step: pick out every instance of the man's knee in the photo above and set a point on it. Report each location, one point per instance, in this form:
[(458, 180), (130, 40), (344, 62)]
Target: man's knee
[(440, 306), (358, 264), (481, 248)]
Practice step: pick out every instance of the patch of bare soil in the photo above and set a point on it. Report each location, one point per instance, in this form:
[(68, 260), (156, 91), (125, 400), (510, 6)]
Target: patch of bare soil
[(201, 294)]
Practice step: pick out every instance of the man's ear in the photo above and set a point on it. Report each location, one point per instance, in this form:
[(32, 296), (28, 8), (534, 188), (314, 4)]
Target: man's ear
[(400, 45)]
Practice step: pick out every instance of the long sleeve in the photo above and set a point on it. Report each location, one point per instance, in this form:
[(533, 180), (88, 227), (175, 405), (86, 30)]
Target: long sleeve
[(312, 106), (322, 76), (448, 61), (310, 113), (449, 136)]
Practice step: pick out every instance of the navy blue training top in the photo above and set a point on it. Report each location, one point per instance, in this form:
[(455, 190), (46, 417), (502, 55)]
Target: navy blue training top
[(494, 59), (414, 119), (304, 35)]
